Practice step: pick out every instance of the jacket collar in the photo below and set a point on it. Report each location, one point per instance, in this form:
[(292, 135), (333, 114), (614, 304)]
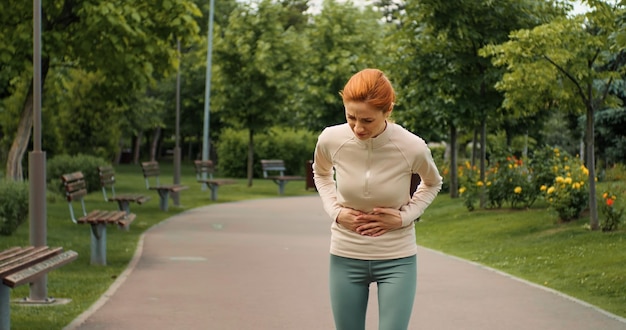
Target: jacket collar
[(377, 142)]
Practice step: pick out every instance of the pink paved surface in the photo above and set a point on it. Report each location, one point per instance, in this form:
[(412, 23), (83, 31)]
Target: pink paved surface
[(263, 264)]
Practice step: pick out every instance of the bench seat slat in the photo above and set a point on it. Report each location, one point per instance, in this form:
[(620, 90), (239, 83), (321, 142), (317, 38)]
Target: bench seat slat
[(100, 216), (40, 268), (28, 259)]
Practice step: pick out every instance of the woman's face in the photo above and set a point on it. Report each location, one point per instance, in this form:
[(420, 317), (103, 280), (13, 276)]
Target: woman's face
[(364, 120)]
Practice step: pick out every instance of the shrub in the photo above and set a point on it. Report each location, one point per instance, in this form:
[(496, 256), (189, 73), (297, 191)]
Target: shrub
[(470, 187), (510, 181), (293, 146), (63, 164), (612, 214), (14, 206), (568, 194), (616, 173)]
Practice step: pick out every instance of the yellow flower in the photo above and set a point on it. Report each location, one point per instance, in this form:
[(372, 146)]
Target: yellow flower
[(556, 150), (543, 187), (462, 190), (559, 179), (517, 190), (488, 183), (550, 190), (479, 183), (566, 167), (568, 180), (613, 197), (605, 195), (510, 166), (585, 170), (576, 185)]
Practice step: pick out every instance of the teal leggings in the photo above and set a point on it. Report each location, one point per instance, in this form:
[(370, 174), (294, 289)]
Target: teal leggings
[(349, 291)]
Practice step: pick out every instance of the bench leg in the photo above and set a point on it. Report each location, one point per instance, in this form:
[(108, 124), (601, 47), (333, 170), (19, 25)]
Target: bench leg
[(99, 244), (281, 187), (214, 188), (164, 196), (124, 206), (5, 307)]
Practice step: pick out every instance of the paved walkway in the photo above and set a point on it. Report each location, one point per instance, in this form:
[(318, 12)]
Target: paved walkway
[(263, 264)]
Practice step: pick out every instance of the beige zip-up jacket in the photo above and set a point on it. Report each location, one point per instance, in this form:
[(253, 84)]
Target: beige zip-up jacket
[(372, 173)]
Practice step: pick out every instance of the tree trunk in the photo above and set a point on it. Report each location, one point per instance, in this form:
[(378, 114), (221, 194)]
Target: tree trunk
[(483, 157), (137, 148), (454, 181), (591, 166), (155, 143), (474, 147), (120, 150), (14, 171), (250, 156)]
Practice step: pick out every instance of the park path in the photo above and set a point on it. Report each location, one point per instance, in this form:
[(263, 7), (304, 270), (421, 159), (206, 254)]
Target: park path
[(263, 264)]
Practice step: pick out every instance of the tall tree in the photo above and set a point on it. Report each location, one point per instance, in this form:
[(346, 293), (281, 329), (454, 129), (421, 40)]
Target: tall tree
[(127, 41), (564, 61), (344, 39), (256, 56), (445, 83)]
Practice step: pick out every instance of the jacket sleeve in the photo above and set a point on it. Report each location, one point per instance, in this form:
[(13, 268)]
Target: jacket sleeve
[(428, 188), (323, 176)]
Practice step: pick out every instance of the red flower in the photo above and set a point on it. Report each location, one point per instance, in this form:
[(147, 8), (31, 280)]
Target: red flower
[(609, 201)]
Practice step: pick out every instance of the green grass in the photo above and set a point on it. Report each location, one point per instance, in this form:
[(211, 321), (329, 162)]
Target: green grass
[(530, 244), (83, 283), (590, 266)]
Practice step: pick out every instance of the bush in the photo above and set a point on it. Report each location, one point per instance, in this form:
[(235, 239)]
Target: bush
[(510, 180), (63, 164), (568, 194), (470, 186), (612, 213), (14, 206), (616, 172), (295, 147)]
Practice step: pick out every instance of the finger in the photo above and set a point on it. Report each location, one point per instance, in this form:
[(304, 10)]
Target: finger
[(385, 211), (379, 233)]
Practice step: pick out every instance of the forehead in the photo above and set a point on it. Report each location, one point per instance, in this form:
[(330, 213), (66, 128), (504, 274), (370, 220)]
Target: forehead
[(361, 110)]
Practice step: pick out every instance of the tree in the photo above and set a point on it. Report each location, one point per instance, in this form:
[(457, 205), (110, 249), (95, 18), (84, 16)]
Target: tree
[(343, 40), (444, 81), (128, 42), (257, 56), (564, 62)]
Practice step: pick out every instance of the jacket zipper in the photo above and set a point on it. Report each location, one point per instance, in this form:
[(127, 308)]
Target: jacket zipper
[(368, 168)]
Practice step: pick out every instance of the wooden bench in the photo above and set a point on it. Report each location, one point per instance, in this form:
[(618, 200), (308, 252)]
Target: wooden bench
[(204, 175), (274, 169), (151, 170), (21, 265), (75, 191), (107, 181)]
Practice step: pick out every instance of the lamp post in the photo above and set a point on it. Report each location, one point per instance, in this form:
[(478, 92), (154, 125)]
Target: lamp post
[(176, 195), (37, 164), (206, 147)]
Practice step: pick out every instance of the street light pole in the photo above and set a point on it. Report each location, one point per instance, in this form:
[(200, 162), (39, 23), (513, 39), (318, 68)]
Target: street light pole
[(206, 143), (176, 195), (37, 164)]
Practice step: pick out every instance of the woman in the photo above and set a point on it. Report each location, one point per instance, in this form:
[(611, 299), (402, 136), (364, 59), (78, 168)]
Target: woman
[(362, 171)]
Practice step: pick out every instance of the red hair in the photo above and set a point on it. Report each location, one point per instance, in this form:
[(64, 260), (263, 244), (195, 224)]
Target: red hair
[(370, 86)]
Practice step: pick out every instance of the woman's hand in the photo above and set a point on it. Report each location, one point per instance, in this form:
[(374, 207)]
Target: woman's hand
[(348, 218), (378, 222)]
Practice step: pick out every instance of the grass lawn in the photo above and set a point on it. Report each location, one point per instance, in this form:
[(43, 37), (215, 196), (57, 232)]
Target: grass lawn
[(530, 244), (590, 266)]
